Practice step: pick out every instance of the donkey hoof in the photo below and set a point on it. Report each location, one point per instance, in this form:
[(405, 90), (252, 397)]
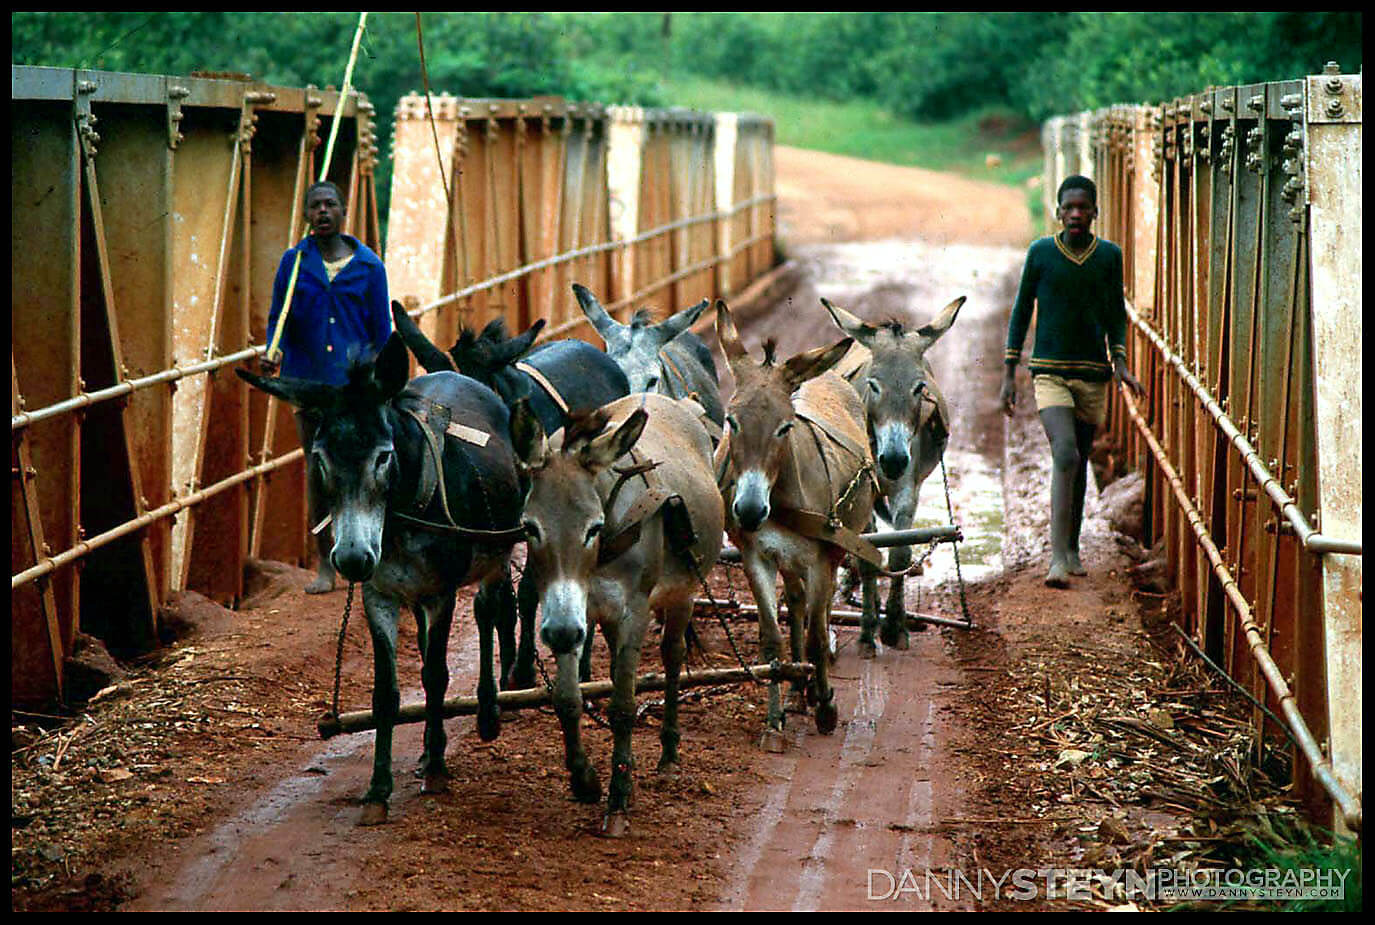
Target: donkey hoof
[(867, 649), (373, 814), (488, 726), (772, 741), (586, 787), (669, 770), (827, 716), (435, 782), (616, 825)]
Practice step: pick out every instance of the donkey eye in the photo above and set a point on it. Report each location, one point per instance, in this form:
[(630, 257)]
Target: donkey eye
[(383, 461), (531, 531), (875, 387), (593, 532), (783, 428), (734, 424), (651, 382), (918, 389)]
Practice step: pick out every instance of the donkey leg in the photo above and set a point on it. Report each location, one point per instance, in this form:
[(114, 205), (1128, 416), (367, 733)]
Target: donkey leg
[(582, 777), (762, 578), (434, 674), (673, 650), (622, 714), (527, 602), (893, 632), (796, 596), (868, 614), (820, 589), (486, 611), (382, 614), (506, 618)]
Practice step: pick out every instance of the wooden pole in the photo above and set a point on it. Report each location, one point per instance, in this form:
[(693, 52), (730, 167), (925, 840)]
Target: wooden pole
[(362, 720)]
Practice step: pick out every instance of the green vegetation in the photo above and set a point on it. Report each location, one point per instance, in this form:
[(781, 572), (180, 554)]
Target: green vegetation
[(938, 90)]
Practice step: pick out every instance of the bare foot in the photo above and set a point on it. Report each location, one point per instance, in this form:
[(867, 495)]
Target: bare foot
[(1058, 576), (323, 584)]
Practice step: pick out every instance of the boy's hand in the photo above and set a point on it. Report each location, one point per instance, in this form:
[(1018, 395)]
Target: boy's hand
[(1122, 375), (1008, 395)]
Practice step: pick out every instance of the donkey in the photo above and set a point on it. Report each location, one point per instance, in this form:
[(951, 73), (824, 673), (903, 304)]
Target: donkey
[(558, 379), (802, 486), (909, 425), (393, 472), (606, 545), (665, 357)]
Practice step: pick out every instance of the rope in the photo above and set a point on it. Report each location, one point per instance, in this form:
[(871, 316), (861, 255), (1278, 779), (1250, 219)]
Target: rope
[(272, 352), (438, 153), (950, 508)]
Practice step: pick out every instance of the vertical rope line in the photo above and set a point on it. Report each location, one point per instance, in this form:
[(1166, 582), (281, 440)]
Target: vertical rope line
[(438, 152)]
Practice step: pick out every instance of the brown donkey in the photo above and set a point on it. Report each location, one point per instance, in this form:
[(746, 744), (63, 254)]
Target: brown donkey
[(606, 544), (798, 479)]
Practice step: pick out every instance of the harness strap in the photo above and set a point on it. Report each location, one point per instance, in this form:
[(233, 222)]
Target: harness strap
[(433, 424), (430, 480), (544, 383)]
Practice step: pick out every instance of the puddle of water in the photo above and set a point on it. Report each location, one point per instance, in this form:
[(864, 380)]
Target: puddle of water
[(976, 495)]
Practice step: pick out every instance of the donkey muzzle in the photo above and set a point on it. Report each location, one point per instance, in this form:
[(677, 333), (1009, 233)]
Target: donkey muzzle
[(563, 625), (355, 563), (751, 505)]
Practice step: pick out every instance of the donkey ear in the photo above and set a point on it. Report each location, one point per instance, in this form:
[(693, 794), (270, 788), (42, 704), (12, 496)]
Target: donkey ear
[(601, 319), (392, 368), (728, 336), (606, 449), (518, 346), (851, 325), (298, 393), (677, 323), (527, 436), (933, 329), (812, 363), (426, 353)]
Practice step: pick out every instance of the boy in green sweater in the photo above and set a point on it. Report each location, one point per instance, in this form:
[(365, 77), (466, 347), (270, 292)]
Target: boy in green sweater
[(1074, 280)]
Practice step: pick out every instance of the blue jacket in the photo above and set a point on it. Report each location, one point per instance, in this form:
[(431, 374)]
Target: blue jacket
[(330, 323)]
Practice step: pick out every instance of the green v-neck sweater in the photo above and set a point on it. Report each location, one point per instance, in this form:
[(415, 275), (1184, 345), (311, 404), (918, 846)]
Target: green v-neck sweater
[(1080, 310)]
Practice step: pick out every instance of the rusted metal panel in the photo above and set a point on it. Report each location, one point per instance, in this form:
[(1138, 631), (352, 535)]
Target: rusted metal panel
[(1333, 152), (45, 352), (1235, 259)]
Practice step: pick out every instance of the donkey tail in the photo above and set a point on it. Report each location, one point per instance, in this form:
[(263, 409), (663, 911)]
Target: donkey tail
[(427, 354)]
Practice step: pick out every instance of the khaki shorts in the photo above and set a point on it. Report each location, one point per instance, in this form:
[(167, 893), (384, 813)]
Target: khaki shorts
[(1088, 399)]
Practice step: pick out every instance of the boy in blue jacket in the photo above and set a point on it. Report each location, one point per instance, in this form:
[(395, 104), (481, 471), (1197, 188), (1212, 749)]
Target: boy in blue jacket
[(339, 312)]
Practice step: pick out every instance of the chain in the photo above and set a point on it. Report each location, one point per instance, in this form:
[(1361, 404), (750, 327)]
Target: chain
[(950, 508), (716, 610), (339, 651)]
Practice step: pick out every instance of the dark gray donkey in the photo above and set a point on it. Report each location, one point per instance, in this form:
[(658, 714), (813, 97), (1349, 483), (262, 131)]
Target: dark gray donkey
[(560, 379), (909, 425), (424, 496), (666, 357)]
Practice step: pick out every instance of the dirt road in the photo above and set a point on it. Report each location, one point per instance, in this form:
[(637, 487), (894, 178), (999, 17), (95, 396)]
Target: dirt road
[(199, 784)]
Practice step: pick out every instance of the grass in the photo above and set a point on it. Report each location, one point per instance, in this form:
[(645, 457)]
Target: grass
[(866, 130)]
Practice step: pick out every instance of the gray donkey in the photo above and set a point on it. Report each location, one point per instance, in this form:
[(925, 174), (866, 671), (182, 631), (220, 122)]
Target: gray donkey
[(909, 426), (666, 357)]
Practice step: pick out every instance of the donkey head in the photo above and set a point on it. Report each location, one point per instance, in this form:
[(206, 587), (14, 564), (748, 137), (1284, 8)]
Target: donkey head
[(635, 347), (896, 401), (564, 517), (484, 356), (353, 456), (761, 413)]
